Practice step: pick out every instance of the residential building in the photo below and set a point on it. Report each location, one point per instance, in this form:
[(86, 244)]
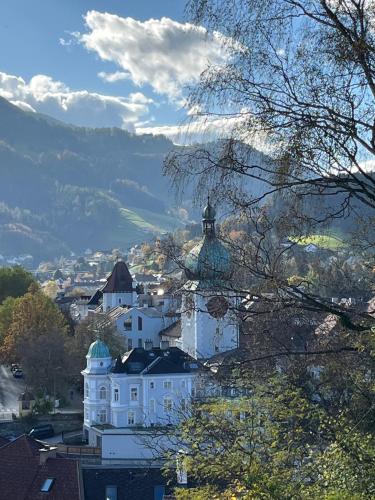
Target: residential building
[(31, 470)]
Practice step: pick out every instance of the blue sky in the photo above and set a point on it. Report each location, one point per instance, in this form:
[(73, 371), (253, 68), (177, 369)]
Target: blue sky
[(102, 63)]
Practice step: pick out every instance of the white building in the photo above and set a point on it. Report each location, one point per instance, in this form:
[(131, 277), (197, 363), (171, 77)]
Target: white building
[(119, 289), (208, 324), (145, 387), (150, 386)]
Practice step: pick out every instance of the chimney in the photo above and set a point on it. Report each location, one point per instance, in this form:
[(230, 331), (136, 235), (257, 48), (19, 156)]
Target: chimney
[(148, 345), (164, 344), (46, 453)]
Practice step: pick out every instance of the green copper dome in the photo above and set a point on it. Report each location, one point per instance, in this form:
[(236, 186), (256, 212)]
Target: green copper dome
[(98, 349), (210, 260), (209, 212)]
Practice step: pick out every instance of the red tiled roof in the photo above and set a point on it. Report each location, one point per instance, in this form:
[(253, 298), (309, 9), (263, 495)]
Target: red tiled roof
[(22, 475), (120, 279), (3, 441), (65, 472)]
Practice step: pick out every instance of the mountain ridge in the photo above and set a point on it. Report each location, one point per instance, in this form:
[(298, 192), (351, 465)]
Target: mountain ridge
[(61, 184)]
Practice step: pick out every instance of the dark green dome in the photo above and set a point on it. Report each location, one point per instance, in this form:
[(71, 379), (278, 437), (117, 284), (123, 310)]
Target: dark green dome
[(209, 260), (209, 213)]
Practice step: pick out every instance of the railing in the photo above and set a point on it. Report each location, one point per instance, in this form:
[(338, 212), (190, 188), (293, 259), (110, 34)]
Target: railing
[(6, 416), (80, 451)]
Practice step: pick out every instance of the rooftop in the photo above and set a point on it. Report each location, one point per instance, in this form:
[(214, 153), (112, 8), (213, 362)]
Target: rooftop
[(23, 473), (120, 280)]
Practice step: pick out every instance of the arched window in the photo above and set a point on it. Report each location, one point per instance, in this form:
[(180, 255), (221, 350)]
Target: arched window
[(103, 393), (87, 390), (140, 324)]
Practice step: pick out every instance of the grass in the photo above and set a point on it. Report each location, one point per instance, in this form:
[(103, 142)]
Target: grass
[(149, 221), (325, 241)]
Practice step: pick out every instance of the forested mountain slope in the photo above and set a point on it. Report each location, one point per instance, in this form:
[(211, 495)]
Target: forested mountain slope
[(66, 188)]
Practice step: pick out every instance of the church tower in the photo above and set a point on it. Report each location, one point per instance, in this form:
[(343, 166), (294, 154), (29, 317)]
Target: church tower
[(119, 289), (208, 322)]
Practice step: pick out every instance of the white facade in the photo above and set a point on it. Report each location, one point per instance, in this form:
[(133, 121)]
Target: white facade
[(141, 324), (114, 299), (130, 401), (204, 335)]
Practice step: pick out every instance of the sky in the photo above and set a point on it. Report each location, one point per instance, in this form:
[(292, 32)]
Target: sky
[(103, 63)]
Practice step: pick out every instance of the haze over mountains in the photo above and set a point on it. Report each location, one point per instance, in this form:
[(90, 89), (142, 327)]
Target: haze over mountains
[(64, 189)]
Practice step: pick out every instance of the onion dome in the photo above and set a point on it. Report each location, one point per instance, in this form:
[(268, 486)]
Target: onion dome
[(209, 213), (210, 260), (98, 349)]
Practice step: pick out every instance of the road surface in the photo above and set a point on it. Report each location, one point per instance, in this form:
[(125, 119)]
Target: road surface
[(10, 389)]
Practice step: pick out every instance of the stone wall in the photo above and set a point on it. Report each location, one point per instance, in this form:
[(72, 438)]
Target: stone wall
[(60, 422)]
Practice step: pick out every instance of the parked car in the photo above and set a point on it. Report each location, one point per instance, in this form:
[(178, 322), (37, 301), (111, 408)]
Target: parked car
[(42, 431), (18, 373), (14, 367)]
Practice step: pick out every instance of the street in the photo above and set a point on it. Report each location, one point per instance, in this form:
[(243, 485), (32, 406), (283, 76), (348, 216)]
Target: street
[(10, 389)]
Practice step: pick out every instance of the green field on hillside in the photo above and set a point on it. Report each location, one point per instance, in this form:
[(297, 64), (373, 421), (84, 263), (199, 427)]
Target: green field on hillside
[(149, 221), (325, 241)]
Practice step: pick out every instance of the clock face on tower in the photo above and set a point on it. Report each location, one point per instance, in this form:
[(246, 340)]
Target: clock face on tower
[(217, 307)]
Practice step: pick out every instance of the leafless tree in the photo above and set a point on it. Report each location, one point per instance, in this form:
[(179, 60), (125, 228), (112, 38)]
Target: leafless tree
[(298, 83)]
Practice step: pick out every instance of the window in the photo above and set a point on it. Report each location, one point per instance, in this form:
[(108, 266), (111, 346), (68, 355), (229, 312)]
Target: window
[(111, 493), (134, 394), (140, 324), (119, 301), (102, 416), (152, 385), (116, 394), (86, 414), (102, 393), (130, 344), (47, 485), (131, 418), (183, 405), (168, 405), (152, 405), (183, 384), (128, 324), (87, 390), (26, 405), (167, 384), (139, 342)]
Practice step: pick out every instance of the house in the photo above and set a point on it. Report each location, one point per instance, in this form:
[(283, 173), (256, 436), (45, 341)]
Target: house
[(146, 387), (149, 387), (32, 470), (131, 483)]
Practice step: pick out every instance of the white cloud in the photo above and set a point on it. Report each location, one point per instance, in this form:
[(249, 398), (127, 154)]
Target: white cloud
[(117, 76), (202, 129), (45, 95), (160, 52)]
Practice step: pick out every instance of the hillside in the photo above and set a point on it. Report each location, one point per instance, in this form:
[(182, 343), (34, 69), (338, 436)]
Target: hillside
[(66, 188)]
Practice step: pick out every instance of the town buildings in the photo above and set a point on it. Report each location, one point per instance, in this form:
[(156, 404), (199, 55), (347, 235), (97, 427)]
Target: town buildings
[(152, 384)]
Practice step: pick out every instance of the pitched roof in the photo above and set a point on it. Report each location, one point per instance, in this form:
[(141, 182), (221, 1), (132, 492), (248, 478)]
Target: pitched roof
[(173, 330), (131, 483), (3, 441), (120, 280), (154, 361), (22, 475), (94, 300)]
